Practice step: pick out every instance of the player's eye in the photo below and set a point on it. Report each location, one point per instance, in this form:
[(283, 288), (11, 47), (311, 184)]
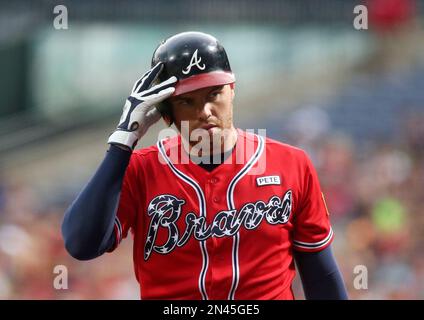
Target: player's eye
[(183, 102), (214, 94)]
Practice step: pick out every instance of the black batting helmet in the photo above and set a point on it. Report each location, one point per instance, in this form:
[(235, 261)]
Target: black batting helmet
[(198, 61)]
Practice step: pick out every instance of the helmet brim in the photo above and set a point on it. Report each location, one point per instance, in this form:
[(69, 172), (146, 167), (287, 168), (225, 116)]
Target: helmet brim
[(203, 80)]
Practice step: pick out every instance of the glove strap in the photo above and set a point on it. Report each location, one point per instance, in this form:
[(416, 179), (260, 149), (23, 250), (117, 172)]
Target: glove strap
[(123, 138)]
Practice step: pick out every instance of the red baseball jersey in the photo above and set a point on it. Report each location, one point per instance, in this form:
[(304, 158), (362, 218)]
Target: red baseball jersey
[(225, 234)]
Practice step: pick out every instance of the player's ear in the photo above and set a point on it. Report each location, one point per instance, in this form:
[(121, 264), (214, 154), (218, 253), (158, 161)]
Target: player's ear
[(167, 120), (233, 93), (165, 109)]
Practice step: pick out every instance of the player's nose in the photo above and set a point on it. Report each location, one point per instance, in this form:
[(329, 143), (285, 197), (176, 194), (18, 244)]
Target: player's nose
[(205, 110)]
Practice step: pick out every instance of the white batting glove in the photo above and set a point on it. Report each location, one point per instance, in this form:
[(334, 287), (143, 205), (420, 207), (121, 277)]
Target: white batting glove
[(139, 110)]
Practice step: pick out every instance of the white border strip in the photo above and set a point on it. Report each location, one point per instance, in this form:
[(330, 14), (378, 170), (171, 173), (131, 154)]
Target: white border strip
[(202, 208), (231, 206), (119, 228), (314, 245)]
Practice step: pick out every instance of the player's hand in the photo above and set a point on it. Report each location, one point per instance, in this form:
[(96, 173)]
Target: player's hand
[(139, 110)]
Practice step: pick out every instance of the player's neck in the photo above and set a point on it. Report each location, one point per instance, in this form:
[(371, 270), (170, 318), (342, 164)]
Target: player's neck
[(228, 141)]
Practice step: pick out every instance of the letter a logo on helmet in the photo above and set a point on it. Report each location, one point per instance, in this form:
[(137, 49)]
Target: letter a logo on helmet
[(194, 62), (197, 59)]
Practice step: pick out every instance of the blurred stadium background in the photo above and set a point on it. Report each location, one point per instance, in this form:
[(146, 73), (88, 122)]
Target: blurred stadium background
[(353, 99)]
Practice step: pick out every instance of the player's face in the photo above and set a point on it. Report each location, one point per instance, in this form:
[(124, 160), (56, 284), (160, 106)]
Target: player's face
[(209, 109)]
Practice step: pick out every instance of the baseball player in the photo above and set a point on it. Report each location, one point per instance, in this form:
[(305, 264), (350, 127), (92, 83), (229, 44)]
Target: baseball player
[(227, 220)]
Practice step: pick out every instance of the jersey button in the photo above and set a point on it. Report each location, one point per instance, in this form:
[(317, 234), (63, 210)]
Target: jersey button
[(214, 180), (215, 199)]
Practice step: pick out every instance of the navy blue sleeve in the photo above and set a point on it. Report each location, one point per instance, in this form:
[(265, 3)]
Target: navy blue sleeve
[(87, 227), (321, 278)]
